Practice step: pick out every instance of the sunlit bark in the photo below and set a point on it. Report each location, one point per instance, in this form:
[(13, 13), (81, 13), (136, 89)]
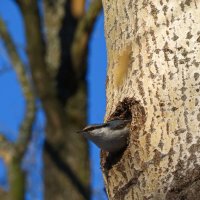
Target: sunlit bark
[(155, 47)]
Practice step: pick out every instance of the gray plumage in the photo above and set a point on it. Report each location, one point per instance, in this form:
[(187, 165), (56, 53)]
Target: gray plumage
[(110, 136)]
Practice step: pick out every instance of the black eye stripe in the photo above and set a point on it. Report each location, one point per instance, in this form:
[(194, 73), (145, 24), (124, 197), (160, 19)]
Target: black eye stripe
[(98, 126), (95, 126)]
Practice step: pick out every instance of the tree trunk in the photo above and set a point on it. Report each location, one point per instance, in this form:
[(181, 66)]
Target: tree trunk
[(66, 158), (154, 77)]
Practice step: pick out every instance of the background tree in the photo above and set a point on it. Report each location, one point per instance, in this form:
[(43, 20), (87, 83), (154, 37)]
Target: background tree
[(154, 78), (57, 48)]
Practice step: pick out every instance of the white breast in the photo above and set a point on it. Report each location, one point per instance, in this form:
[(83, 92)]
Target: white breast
[(109, 140)]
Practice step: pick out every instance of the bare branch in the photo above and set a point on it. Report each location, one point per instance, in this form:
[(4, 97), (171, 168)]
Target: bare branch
[(26, 126), (83, 32), (42, 81), (3, 140), (6, 148)]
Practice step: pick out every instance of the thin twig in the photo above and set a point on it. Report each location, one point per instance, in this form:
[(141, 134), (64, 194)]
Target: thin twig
[(26, 126), (83, 32)]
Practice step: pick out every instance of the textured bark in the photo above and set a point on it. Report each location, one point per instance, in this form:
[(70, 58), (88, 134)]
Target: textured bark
[(154, 77)]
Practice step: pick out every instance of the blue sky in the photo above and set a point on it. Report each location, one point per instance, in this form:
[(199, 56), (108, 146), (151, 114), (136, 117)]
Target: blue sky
[(97, 103), (12, 103)]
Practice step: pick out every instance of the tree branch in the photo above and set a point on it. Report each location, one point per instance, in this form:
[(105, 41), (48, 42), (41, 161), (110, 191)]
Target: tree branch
[(26, 126), (6, 148), (67, 170), (83, 32), (42, 80)]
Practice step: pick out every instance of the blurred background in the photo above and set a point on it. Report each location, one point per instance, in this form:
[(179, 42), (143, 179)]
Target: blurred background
[(52, 83)]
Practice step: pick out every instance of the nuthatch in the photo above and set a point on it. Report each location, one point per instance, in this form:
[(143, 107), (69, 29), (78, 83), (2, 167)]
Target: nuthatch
[(110, 136)]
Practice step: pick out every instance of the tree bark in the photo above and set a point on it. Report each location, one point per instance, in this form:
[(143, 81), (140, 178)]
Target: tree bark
[(67, 160), (66, 153), (154, 77)]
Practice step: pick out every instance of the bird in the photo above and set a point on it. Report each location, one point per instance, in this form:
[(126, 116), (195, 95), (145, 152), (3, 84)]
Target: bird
[(110, 136)]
